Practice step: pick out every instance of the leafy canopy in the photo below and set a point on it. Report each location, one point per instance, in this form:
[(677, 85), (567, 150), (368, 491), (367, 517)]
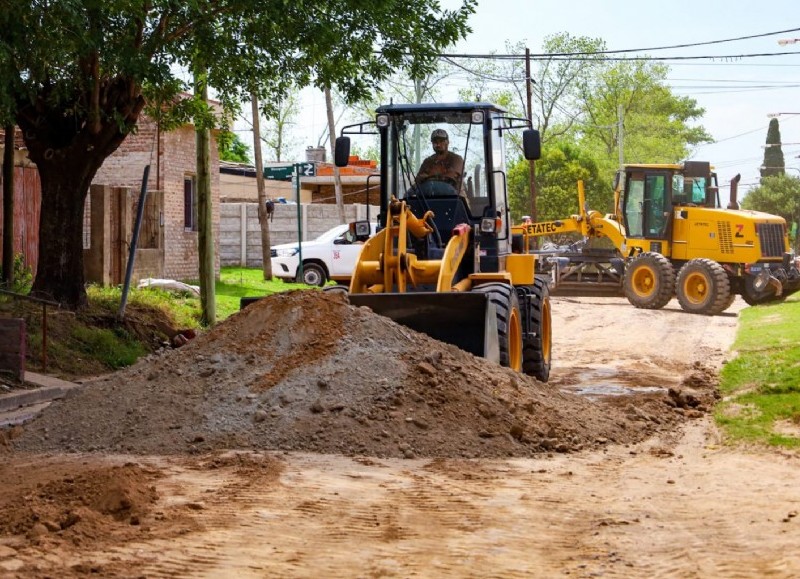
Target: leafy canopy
[(59, 53)]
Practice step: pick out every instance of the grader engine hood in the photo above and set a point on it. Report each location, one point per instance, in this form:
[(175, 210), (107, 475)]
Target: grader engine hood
[(739, 236)]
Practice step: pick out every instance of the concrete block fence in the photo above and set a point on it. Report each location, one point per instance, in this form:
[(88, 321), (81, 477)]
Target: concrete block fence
[(240, 233)]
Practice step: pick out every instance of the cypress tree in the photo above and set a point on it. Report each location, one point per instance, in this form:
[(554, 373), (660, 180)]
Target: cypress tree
[(773, 155)]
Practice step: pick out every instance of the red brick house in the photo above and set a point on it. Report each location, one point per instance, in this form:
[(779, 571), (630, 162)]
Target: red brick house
[(172, 159), (172, 185)]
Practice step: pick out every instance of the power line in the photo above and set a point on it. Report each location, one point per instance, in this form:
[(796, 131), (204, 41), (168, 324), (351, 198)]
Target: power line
[(595, 57), (736, 39)]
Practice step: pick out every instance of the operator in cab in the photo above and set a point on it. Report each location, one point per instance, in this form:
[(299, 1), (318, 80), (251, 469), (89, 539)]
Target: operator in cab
[(443, 165)]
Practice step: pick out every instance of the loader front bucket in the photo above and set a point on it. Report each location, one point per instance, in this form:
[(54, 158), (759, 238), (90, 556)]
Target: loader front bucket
[(465, 320)]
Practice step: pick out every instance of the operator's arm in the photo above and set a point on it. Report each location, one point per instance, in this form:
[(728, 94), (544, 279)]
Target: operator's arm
[(424, 170), (455, 168)]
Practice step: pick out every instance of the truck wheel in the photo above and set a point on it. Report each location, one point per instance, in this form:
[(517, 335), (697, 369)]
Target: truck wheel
[(649, 281), (509, 322), (703, 287), (537, 344), (313, 274)]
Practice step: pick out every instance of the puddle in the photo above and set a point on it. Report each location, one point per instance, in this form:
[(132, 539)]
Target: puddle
[(599, 382)]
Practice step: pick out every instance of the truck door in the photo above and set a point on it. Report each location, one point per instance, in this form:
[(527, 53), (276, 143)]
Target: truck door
[(344, 254)]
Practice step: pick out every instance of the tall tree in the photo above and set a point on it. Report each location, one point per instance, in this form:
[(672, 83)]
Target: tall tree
[(774, 163), (337, 180), (263, 215), (659, 126), (76, 97), (276, 133), (557, 174), (232, 148)]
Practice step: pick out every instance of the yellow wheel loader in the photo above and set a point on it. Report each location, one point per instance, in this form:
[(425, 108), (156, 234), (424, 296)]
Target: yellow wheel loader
[(672, 237), (442, 262)]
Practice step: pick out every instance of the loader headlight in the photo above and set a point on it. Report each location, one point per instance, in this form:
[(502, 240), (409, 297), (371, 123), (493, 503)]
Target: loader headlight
[(477, 117), (382, 120), (287, 252)]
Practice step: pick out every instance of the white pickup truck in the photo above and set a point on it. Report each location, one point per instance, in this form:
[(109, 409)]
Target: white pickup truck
[(331, 256)]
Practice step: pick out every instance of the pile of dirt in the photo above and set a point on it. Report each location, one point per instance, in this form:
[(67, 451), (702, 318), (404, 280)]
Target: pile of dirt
[(305, 371), (78, 505)]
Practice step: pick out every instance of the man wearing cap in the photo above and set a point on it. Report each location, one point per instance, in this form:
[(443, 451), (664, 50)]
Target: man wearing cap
[(443, 165)]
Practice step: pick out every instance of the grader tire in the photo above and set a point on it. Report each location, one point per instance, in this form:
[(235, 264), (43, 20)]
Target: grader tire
[(703, 287), (649, 281), (509, 322), (537, 345)]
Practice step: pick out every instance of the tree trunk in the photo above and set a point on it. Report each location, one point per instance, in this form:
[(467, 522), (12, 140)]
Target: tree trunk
[(263, 217), (337, 180), (205, 235), (68, 150), (59, 274), (8, 208)]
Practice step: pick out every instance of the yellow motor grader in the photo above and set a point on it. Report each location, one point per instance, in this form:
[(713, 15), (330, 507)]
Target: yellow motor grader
[(442, 261), (672, 237)]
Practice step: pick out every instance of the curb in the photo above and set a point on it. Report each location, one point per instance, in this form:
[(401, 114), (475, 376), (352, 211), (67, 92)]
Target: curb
[(50, 389)]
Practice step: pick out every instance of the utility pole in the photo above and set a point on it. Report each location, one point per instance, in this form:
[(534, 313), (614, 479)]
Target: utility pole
[(620, 138), (529, 91), (205, 236)]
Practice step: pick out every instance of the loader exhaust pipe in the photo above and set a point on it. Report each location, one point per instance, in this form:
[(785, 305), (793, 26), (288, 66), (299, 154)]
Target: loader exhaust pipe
[(734, 203)]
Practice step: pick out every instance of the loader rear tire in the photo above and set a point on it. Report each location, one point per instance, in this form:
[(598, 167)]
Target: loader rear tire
[(703, 287), (509, 322), (649, 281), (537, 345)]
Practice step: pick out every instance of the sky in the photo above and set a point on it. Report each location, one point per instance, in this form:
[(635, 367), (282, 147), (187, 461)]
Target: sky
[(738, 94)]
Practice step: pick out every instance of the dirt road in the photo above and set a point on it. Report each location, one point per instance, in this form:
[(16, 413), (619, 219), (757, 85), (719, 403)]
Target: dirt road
[(678, 504)]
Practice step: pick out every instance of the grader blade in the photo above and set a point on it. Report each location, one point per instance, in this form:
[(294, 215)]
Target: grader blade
[(465, 320), (590, 273)]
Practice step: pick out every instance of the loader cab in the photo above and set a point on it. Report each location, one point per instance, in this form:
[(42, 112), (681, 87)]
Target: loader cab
[(473, 194)]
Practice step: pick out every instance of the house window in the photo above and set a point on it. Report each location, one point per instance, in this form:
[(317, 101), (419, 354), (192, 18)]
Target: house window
[(189, 204)]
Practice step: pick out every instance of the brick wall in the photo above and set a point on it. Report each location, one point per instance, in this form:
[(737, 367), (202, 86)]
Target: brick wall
[(171, 157)]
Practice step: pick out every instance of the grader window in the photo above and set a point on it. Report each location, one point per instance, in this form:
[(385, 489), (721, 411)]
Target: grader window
[(634, 207)]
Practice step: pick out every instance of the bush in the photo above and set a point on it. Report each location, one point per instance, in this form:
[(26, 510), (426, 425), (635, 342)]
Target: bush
[(23, 276)]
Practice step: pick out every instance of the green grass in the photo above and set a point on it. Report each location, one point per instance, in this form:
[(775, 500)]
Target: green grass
[(239, 282), (115, 347), (761, 386), (183, 308)]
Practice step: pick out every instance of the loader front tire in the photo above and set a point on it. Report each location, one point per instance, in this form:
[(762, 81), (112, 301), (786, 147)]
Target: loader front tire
[(509, 322), (703, 287), (649, 281), (537, 343)]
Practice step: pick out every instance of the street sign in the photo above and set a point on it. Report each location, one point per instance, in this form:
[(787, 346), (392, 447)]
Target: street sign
[(279, 173), (307, 169)]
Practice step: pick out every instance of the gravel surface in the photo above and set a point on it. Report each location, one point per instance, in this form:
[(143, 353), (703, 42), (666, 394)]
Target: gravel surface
[(306, 371)]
